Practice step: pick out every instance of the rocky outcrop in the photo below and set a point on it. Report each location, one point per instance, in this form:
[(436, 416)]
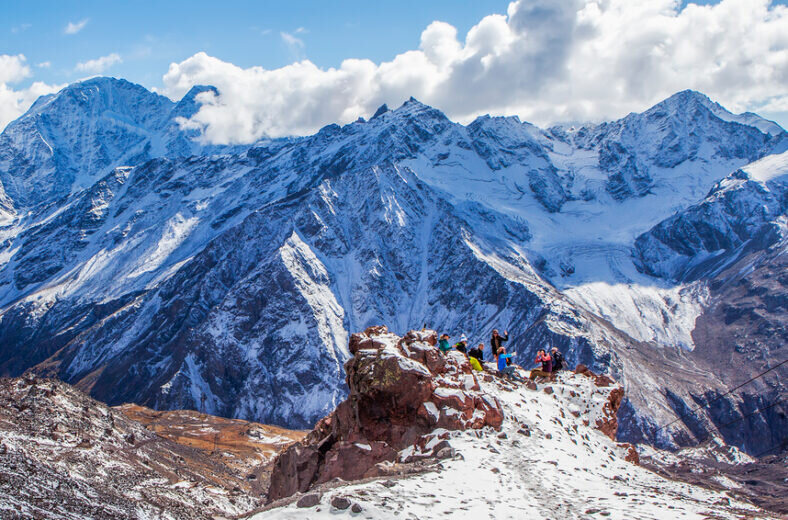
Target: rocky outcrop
[(607, 423), (400, 391)]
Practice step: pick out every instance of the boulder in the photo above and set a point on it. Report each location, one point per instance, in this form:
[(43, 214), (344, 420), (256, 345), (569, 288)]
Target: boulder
[(608, 423), (340, 503), (310, 500)]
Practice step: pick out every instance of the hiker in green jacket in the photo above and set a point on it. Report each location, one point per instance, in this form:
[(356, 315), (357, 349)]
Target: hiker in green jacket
[(443, 343)]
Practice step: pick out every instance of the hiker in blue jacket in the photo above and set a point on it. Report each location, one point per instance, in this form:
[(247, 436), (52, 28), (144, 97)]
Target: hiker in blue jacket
[(503, 368)]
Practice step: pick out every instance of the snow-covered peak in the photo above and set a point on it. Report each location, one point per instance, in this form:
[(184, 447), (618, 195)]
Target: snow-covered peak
[(412, 109), (382, 109), (684, 99), (111, 97), (69, 140), (687, 102)]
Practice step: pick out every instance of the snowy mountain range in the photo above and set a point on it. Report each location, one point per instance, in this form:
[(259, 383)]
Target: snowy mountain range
[(142, 265)]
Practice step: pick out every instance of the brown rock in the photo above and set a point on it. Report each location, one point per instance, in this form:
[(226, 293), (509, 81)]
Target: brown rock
[(395, 400), (603, 381), (608, 423), (340, 503), (632, 454), (310, 500)]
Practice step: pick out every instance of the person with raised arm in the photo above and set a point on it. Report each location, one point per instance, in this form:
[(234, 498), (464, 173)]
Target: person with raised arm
[(496, 342)]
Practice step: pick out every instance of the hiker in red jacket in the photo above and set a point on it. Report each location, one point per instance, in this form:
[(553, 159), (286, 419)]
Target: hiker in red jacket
[(547, 365)]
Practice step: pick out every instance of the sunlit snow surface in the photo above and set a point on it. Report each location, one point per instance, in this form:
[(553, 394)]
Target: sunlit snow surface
[(771, 167), (574, 472)]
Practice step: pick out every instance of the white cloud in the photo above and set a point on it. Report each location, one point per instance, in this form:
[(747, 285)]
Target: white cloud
[(294, 45), (75, 27), (20, 28), (13, 103), (545, 61), (44, 65), (13, 68), (99, 65)]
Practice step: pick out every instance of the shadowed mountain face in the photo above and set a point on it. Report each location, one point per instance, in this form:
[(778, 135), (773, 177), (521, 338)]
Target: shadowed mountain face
[(145, 267)]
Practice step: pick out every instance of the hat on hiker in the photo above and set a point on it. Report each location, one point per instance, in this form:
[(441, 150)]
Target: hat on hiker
[(463, 339)]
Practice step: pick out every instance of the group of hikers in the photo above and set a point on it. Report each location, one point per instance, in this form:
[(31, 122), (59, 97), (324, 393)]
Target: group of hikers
[(548, 360)]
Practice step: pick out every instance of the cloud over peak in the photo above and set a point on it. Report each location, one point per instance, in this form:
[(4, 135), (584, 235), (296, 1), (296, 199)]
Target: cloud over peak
[(545, 61), (13, 68), (99, 65)]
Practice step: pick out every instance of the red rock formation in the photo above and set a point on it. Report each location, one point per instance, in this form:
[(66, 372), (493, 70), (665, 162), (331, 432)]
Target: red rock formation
[(400, 391), (608, 423), (632, 453), (600, 380)]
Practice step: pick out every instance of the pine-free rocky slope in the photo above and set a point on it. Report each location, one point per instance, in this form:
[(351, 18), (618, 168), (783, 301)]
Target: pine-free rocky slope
[(145, 267), (64, 455)]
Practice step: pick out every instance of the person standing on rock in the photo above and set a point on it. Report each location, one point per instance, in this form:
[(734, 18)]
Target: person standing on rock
[(443, 344), (558, 360), (547, 365), (496, 342)]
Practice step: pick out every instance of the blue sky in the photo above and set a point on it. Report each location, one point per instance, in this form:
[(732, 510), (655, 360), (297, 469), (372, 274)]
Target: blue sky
[(149, 35), (543, 60)]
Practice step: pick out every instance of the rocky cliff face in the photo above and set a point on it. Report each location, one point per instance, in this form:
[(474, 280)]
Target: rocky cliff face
[(238, 273), (743, 213), (402, 392), (735, 239)]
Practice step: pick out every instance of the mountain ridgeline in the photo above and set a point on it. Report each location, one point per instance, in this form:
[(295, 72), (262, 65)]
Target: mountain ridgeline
[(143, 265)]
